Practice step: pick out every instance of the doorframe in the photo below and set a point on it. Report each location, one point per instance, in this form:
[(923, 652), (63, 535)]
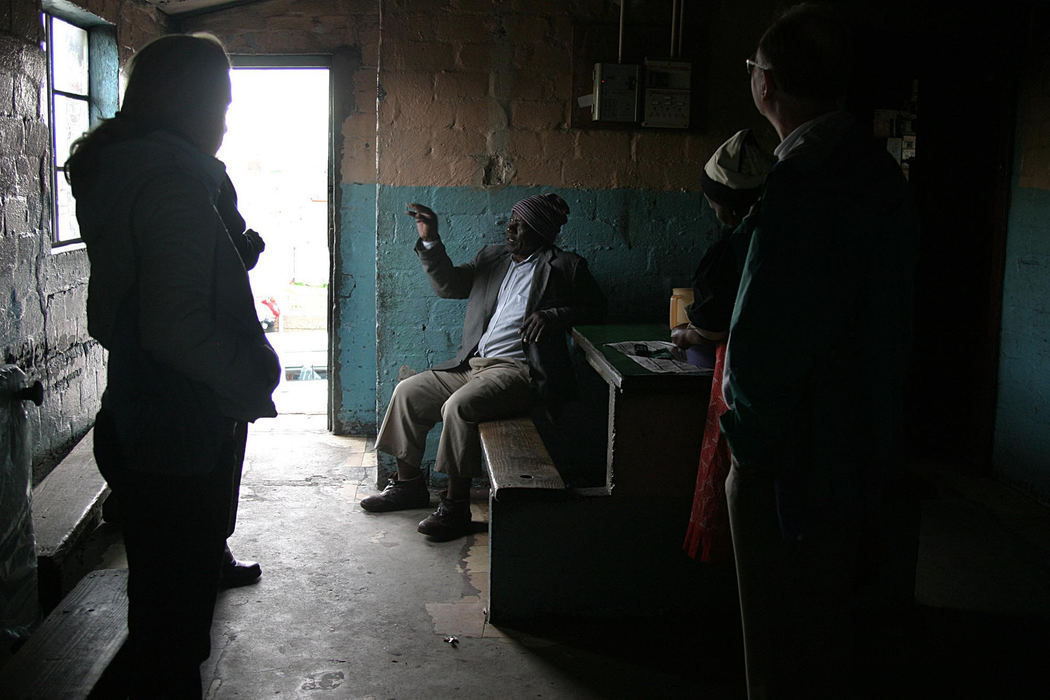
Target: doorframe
[(292, 61)]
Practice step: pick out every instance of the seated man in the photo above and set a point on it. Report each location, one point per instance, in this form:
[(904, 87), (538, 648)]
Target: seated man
[(523, 298)]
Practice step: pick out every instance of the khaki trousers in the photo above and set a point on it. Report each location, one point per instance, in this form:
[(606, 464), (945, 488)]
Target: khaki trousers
[(486, 389)]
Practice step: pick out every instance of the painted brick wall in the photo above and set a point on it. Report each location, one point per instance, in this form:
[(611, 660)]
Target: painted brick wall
[(1022, 430), (43, 326)]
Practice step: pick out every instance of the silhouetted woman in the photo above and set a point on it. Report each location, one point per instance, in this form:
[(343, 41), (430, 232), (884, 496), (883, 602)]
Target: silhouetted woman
[(732, 180), (189, 364)]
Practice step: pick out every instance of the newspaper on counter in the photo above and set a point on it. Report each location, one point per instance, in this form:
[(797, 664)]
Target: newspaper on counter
[(659, 356)]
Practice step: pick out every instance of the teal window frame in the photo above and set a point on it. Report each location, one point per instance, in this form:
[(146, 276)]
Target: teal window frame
[(101, 98)]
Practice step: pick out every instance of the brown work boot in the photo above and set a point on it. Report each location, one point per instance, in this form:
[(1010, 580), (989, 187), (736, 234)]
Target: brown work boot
[(399, 495), (450, 521)]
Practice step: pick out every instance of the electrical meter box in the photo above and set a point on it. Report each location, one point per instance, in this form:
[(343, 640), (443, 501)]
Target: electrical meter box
[(667, 93), (615, 92)]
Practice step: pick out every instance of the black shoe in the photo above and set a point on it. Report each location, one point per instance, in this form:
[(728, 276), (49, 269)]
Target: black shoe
[(235, 574), (450, 521), (399, 495)]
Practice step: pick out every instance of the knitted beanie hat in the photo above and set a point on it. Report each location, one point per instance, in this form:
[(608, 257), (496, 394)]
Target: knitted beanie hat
[(544, 213)]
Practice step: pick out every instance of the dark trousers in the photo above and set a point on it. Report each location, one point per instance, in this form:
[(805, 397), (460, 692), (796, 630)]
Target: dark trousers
[(175, 529), (796, 599)]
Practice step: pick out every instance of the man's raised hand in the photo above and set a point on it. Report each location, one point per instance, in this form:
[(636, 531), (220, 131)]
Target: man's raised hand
[(426, 221)]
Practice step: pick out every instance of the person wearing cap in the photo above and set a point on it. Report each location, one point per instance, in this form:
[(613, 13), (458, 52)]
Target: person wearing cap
[(732, 182), (816, 367), (523, 297)]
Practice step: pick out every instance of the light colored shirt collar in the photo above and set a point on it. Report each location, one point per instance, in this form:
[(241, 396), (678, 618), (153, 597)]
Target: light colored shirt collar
[(808, 133)]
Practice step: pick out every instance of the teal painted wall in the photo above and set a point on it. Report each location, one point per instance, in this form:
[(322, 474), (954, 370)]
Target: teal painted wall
[(356, 296), (639, 245), (1022, 426)]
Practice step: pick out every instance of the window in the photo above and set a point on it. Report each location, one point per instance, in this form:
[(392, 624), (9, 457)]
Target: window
[(82, 89), (70, 115)]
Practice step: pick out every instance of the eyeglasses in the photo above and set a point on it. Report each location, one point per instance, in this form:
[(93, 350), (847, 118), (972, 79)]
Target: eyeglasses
[(751, 65)]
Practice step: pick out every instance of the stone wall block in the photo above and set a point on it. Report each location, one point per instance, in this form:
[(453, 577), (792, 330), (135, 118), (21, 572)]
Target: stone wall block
[(38, 138), (7, 93), (419, 55), (481, 114), (530, 170), (542, 59), (25, 21), (442, 115), (455, 143), (614, 144), (8, 176), (557, 144), (498, 115), (297, 41), (527, 144), (12, 135), (465, 171), (532, 87), (406, 147), (458, 83), (358, 163), (527, 30), (471, 7), (284, 23), (417, 84), (28, 173), (473, 55), (537, 115), (578, 171), (470, 201), (16, 216), (366, 87), (27, 96), (367, 38), (659, 148)]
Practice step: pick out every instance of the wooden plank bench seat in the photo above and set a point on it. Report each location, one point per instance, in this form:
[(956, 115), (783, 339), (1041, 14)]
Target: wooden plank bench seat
[(67, 507), (516, 458), (67, 656)]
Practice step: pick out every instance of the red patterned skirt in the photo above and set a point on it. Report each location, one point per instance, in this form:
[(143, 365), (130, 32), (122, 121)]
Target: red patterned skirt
[(709, 521)]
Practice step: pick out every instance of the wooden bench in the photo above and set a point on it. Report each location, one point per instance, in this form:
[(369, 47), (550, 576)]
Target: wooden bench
[(603, 550), (67, 507), (516, 458), (527, 501), (68, 656)]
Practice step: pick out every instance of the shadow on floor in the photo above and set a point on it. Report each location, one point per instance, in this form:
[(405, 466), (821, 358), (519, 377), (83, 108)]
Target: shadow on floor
[(652, 658), (960, 654)]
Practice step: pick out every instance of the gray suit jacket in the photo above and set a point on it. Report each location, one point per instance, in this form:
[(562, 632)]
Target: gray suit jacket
[(562, 289)]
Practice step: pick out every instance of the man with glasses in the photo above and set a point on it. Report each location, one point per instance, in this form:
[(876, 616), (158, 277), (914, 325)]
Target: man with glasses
[(815, 365), (523, 297)]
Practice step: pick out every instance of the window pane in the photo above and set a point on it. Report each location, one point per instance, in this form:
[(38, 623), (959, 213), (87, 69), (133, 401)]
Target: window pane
[(68, 229), (71, 121), (69, 56)]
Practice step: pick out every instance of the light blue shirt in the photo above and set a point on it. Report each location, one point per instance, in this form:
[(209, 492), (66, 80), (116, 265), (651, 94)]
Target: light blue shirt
[(501, 338)]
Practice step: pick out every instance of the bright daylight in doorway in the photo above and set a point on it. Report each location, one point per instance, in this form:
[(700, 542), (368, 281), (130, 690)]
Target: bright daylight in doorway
[(276, 152)]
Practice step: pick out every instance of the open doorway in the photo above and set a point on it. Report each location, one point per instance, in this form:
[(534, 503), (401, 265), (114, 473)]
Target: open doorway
[(276, 151)]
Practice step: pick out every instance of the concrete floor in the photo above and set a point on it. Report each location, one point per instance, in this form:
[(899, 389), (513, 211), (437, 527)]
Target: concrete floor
[(358, 605)]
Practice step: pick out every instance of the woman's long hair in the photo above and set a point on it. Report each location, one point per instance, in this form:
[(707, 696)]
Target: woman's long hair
[(178, 83)]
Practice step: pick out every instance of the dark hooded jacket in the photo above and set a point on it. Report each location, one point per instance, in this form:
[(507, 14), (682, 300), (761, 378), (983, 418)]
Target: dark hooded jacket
[(169, 297)]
